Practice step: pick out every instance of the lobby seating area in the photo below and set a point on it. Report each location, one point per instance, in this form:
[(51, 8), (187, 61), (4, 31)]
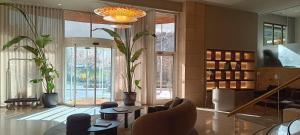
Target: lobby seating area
[(151, 67), (160, 122)]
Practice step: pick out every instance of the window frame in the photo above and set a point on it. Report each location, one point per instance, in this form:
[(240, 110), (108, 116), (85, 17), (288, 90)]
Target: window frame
[(91, 16), (273, 33), (172, 53)]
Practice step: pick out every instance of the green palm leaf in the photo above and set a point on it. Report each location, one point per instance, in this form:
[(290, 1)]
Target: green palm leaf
[(137, 84), (36, 80), (43, 40), (140, 34), (136, 55), (14, 41), (121, 46), (134, 67), (31, 49), (111, 33)]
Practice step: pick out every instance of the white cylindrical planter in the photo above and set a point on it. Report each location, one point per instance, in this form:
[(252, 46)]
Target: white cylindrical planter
[(223, 99)]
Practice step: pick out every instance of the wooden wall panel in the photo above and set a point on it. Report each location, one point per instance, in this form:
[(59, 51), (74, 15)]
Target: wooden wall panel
[(195, 53)]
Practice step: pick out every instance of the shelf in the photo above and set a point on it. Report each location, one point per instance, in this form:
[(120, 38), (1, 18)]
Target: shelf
[(230, 70), (227, 69), (210, 90), (228, 80), (209, 60)]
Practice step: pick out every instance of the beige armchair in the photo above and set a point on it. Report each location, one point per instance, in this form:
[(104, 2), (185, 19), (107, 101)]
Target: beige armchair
[(179, 120)]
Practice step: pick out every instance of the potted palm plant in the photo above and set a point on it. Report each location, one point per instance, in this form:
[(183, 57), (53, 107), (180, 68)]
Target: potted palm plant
[(37, 45), (131, 57)]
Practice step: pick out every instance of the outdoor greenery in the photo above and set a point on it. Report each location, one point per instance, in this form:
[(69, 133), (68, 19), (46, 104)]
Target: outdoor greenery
[(38, 43), (131, 56)]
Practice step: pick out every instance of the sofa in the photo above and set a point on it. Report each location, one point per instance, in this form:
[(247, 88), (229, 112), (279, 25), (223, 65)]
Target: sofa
[(176, 120)]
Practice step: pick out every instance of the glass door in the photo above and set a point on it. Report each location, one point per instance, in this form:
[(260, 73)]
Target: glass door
[(87, 75), (103, 75), (69, 74)]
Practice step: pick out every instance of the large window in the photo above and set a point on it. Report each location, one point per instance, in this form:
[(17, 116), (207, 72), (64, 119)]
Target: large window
[(165, 48), (274, 34), (81, 24)]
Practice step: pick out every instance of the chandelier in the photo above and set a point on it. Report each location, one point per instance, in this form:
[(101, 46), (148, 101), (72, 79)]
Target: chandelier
[(118, 14)]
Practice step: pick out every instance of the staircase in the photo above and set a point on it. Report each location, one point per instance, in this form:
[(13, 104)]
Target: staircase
[(287, 128)]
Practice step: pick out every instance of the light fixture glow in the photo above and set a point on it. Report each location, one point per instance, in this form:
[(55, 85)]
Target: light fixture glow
[(120, 26), (120, 14)]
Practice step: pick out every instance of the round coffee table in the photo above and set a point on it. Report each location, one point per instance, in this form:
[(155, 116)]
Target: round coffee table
[(129, 109), (110, 130)]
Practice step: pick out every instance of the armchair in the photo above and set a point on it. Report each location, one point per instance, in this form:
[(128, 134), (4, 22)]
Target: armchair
[(179, 120)]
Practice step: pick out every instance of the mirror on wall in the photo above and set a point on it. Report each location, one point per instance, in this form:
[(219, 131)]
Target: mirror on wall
[(279, 38)]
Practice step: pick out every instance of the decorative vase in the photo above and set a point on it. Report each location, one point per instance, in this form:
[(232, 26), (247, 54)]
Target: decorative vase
[(227, 66), (129, 98), (212, 75), (237, 66), (49, 100), (223, 75)]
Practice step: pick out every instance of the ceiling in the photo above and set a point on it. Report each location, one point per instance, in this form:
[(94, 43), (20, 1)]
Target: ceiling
[(79, 5), (258, 6), (283, 7), (290, 12)]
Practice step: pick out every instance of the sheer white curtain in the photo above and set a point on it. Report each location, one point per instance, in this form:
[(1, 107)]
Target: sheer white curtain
[(145, 72), (12, 23)]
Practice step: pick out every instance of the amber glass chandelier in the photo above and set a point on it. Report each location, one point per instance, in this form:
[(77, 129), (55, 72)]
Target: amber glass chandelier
[(118, 14)]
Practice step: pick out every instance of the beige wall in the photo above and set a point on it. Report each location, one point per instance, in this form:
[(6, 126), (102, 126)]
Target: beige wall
[(230, 29), (211, 27), (194, 52)]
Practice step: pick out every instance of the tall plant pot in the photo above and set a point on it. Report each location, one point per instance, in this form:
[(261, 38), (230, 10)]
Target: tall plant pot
[(129, 98), (50, 100)]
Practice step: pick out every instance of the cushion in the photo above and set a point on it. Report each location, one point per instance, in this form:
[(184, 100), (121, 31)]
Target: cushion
[(176, 101), (109, 105), (168, 104), (157, 109)]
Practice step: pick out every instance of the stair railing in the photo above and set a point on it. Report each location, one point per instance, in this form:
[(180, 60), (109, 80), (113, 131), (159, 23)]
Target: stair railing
[(262, 97)]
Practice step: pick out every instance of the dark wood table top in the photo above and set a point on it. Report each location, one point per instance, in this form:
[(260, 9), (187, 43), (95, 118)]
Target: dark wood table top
[(129, 109), (114, 124)]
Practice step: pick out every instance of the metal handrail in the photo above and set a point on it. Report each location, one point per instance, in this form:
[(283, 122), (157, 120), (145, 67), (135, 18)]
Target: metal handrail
[(262, 97)]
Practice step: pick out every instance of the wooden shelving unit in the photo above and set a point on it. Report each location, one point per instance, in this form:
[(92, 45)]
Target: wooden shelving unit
[(227, 69)]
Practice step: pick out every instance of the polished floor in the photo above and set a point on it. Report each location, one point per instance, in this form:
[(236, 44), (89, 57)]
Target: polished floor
[(28, 121)]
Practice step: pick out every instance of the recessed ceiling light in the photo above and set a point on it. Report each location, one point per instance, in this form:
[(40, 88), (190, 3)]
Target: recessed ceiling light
[(59, 4)]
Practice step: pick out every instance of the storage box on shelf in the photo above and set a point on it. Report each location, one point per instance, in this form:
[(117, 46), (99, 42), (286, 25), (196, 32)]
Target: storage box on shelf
[(230, 69)]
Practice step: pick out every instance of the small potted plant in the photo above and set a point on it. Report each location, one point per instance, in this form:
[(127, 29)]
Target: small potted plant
[(131, 57), (37, 45)]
